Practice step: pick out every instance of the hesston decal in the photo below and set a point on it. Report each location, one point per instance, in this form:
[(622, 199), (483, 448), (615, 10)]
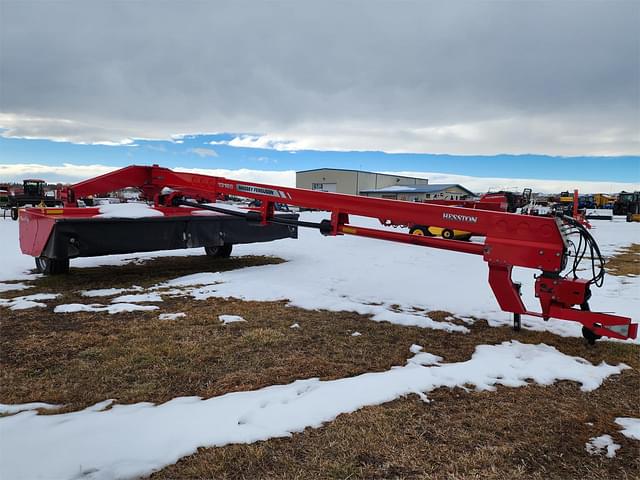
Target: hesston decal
[(459, 218)]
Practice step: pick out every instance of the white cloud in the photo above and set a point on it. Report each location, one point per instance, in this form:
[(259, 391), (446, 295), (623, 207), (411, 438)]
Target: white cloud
[(204, 152), (62, 130), (65, 173), (286, 178), (263, 141), (73, 173)]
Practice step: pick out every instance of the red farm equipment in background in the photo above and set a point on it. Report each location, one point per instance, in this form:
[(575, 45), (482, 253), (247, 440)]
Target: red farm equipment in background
[(502, 201)]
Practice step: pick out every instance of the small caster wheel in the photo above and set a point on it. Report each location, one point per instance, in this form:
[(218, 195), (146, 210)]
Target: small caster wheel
[(517, 325), (590, 336)]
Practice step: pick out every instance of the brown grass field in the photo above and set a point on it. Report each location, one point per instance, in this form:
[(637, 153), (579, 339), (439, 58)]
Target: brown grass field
[(533, 432)]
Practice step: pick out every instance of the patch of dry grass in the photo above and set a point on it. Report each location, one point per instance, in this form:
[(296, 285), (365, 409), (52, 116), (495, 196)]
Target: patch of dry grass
[(535, 432), (626, 262)]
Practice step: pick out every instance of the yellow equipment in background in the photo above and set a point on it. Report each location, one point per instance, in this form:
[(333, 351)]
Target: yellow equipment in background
[(440, 232), (603, 201), (566, 197)]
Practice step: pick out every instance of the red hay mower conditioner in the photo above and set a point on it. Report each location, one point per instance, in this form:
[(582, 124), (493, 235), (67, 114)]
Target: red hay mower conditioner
[(555, 246)]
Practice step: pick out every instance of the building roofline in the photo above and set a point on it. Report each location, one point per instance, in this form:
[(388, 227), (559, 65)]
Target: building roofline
[(358, 171), (416, 189)]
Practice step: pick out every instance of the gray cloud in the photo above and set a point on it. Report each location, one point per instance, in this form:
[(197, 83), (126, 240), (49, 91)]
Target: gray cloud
[(458, 77)]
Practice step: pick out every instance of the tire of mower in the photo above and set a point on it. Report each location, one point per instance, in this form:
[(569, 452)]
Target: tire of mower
[(52, 266), (222, 251), (14, 214), (421, 231), (448, 234)]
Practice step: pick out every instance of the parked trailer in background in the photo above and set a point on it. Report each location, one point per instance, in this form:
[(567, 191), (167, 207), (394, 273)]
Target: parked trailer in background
[(4, 199), (33, 194)]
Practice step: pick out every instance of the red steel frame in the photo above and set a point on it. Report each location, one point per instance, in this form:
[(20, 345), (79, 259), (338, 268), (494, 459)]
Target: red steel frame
[(509, 239)]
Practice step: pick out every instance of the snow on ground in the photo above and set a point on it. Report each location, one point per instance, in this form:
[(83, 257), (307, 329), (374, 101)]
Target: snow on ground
[(631, 427), (602, 444), (134, 440), (204, 278), (107, 292), (10, 287), (172, 316), (246, 284), (28, 301), (21, 407), (227, 319), (422, 358), (97, 307), (138, 298)]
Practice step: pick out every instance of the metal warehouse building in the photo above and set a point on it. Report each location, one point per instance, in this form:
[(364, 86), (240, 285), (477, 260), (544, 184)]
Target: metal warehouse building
[(352, 182), (419, 193), (381, 185)]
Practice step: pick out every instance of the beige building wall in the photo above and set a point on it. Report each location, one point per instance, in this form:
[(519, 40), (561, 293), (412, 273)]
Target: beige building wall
[(341, 181), (350, 181)]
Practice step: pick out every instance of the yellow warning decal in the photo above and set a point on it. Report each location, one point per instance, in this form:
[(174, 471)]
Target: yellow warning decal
[(351, 230), (54, 211)]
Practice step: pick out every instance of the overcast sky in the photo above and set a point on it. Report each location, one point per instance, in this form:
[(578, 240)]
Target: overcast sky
[(554, 77)]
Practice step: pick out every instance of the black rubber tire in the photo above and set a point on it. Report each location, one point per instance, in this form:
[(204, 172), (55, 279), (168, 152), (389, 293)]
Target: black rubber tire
[(14, 213), (590, 336), (448, 234), (52, 266), (420, 230), (43, 265), (222, 251)]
